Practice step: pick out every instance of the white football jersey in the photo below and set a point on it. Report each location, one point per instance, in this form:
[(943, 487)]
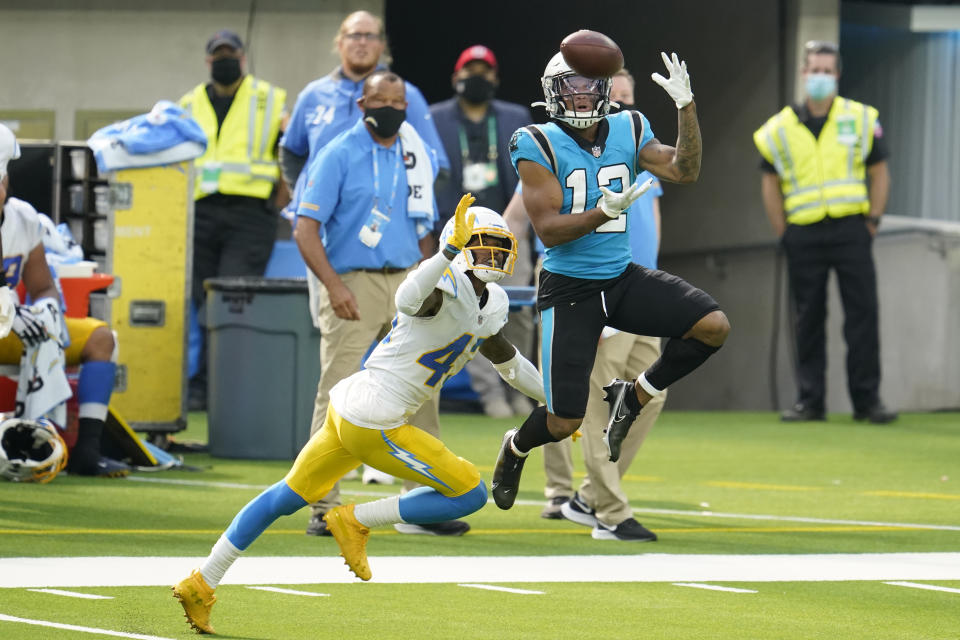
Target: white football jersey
[(419, 354), (22, 232)]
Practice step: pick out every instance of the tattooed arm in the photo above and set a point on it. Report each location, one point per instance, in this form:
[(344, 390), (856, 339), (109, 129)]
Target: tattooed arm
[(680, 163)]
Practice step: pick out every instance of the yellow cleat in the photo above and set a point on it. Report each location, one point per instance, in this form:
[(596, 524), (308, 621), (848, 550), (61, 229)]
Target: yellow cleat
[(352, 538), (197, 599)]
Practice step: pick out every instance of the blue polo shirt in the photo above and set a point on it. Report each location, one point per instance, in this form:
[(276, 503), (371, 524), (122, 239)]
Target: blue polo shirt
[(339, 193), (643, 224), (328, 106)]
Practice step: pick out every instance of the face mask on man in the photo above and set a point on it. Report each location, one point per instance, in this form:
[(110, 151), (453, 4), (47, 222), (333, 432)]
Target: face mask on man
[(475, 89), (385, 121), (821, 85), (225, 71)]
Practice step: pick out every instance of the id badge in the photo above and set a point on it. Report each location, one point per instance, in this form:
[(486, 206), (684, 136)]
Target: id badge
[(475, 176), (210, 177), (846, 131), (371, 232)]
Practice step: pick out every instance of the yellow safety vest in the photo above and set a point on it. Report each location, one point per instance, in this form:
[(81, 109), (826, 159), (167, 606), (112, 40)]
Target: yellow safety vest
[(823, 176), (240, 160)]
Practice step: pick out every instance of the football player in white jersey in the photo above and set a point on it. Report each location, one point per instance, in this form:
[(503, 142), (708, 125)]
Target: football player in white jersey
[(91, 344), (448, 309)]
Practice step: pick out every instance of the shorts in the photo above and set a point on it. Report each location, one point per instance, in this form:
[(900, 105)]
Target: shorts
[(644, 302)]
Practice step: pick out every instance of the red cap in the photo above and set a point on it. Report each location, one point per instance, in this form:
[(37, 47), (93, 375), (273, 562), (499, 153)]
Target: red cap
[(476, 52)]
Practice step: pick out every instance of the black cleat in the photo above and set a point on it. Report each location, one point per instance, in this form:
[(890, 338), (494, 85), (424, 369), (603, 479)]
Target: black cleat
[(506, 473), (621, 418)]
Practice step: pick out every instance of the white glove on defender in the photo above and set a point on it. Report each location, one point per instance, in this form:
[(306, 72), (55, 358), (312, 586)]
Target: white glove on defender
[(678, 86), (613, 204), (8, 310)]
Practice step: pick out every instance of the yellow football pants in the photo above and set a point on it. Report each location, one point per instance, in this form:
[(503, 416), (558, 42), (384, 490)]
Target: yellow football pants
[(405, 452)]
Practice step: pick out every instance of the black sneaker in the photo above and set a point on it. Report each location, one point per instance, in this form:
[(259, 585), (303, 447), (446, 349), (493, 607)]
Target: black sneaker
[(801, 412), (506, 473), (446, 528), (576, 510), (104, 467), (318, 526), (629, 530), (877, 414), (621, 418), (552, 510)]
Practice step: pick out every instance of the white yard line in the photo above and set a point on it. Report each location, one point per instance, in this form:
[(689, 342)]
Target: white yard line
[(646, 567), (292, 592), (928, 587), (73, 627), (72, 594), (490, 587), (539, 503), (712, 587)]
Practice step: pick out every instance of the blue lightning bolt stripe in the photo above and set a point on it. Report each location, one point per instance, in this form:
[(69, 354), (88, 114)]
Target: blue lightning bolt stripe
[(410, 460)]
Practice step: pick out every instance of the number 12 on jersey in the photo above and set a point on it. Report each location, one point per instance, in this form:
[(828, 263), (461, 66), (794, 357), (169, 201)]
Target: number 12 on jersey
[(441, 360), (577, 182)]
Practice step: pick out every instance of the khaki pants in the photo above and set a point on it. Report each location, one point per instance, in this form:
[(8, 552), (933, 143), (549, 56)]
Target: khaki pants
[(622, 355), (343, 344)]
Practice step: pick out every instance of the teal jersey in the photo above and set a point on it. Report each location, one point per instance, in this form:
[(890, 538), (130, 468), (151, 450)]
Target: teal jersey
[(581, 169)]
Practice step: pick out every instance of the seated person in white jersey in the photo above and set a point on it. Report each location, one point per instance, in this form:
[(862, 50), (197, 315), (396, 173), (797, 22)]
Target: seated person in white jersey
[(448, 309), (578, 174)]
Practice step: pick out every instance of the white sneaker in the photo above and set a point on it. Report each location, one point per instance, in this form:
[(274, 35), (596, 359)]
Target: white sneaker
[(576, 510), (375, 476)]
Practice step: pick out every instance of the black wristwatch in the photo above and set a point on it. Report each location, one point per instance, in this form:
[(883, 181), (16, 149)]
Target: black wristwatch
[(874, 221)]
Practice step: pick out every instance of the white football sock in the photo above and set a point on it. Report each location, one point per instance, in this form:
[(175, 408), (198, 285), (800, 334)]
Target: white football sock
[(221, 557), (378, 512)]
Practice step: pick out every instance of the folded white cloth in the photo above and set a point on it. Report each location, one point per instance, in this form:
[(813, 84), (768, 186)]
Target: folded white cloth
[(420, 164)]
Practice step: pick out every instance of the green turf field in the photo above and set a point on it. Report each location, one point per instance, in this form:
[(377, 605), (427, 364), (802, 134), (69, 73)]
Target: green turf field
[(717, 484)]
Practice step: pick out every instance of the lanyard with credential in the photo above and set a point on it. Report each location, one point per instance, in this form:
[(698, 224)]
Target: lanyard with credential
[(376, 181), (491, 141)]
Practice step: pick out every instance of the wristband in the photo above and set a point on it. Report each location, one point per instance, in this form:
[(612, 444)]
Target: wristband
[(452, 249)]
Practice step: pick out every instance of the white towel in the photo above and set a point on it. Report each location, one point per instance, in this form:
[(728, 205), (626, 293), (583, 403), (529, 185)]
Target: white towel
[(43, 381), (420, 173)]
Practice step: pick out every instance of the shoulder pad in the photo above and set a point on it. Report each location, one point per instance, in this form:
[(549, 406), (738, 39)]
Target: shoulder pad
[(448, 282)]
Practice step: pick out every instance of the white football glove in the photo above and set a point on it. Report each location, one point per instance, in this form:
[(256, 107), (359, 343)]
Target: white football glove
[(678, 86), (38, 322), (613, 204), (8, 310)]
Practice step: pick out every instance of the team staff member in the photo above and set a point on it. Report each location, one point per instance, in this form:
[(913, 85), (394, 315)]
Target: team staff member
[(234, 226), (475, 130), (328, 106), (371, 190), (817, 157)]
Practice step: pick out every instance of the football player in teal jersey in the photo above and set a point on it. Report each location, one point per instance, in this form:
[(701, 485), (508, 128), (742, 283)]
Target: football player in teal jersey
[(578, 174)]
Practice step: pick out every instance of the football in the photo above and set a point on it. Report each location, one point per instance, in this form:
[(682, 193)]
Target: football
[(591, 54)]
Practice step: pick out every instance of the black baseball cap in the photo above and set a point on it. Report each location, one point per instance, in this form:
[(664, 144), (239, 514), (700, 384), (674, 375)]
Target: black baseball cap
[(224, 37)]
